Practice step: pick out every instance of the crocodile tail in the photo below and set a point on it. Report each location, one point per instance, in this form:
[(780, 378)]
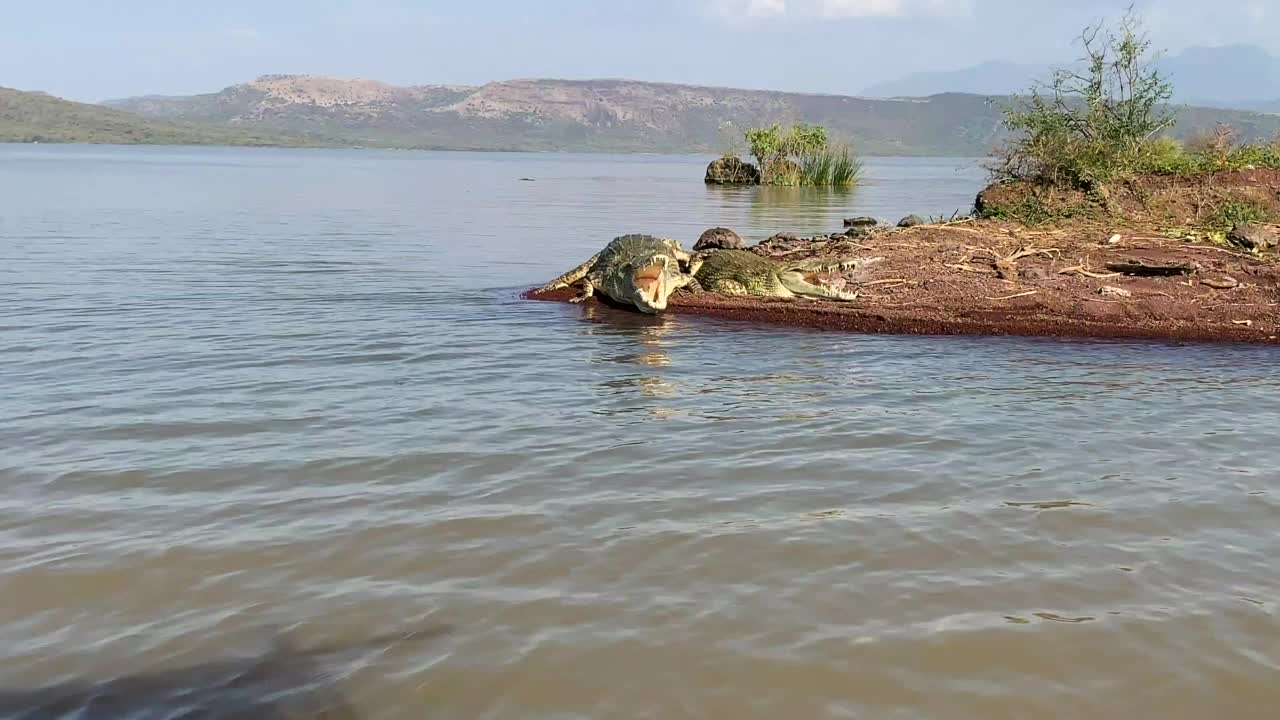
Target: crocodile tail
[(570, 277)]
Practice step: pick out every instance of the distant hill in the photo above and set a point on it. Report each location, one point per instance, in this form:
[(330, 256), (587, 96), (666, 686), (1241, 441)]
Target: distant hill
[(989, 78), (37, 117), (1230, 76), (602, 115)]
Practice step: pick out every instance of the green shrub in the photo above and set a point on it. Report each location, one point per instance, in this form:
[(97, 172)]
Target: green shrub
[(1106, 123), (1087, 128), (1261, 156), (1165, 156), (801, 155)]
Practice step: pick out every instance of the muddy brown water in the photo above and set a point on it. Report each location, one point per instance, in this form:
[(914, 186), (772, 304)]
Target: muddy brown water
[(280, 439)]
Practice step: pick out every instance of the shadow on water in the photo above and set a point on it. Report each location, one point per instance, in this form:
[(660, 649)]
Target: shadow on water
[(286, 683), (643, 342), (649, 331)]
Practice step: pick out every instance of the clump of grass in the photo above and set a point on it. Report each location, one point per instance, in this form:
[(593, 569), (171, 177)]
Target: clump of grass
[(1206, 153), (1234, 213), (831, 167), (956, 215), (1034, 210)]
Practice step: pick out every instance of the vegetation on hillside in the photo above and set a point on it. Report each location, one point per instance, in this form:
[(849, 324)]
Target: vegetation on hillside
[(802, 155), (1085, 134), (27, 117)]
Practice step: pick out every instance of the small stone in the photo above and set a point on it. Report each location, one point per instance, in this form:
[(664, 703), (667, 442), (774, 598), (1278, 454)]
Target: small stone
[(1112, 291), (860, 222), (784, 237), (1034, 273), (912, 221), (1254, 237), (1113, 240), (1226, 282), (718, 238)]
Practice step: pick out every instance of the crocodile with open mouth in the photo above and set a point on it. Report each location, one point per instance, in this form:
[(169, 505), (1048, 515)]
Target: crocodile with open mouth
[(745, 274), (640, 270)]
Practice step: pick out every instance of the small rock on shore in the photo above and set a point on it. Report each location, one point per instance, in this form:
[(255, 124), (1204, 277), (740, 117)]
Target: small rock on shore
[(1254, 237), (718, 238)]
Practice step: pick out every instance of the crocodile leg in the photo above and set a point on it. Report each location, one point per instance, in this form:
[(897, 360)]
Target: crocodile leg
[(692, 286), (693, 263), (570, 277), (588, 289)]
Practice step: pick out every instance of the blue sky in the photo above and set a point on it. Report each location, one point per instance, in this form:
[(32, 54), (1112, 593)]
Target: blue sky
[(93, 49)]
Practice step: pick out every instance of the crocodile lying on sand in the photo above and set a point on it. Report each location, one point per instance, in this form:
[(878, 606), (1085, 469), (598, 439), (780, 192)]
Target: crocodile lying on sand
[(744, 273), (639, 270)]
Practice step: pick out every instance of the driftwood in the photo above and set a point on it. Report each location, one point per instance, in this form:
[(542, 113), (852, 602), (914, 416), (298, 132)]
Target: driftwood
[(1137, 267), (1006, 266), (1080, 270), (1010, 297)]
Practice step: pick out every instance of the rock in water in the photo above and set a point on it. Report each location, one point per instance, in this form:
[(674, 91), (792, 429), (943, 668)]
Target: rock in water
[(718, 238), (912, 221), (732, 171), (860, 222), (1254, 237)]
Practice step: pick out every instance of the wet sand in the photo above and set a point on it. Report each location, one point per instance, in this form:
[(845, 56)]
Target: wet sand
[(989, 278)]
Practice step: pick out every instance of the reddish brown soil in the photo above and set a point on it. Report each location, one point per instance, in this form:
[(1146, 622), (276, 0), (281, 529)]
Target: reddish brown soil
[(1191, 200), (942, 279)]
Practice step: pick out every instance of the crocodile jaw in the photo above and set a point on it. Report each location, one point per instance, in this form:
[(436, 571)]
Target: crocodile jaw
[(652, 286)]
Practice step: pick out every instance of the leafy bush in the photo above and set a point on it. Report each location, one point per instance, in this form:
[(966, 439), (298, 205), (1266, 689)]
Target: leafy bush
[(1107, 123), (801, 155), (1086, 128)]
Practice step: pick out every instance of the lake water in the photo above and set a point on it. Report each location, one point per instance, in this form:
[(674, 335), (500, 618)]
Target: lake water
[(249, 389)]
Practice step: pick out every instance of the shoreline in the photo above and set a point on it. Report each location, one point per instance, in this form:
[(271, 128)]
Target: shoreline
[(700, 155), (984, 278), (931, 322)]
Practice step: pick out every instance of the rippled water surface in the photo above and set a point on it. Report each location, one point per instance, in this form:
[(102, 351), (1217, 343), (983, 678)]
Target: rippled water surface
[(260, 405)]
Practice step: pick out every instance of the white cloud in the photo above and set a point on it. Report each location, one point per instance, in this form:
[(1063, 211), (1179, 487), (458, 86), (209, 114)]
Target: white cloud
[(836, 9)]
